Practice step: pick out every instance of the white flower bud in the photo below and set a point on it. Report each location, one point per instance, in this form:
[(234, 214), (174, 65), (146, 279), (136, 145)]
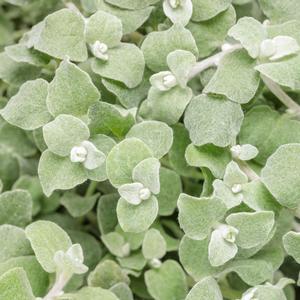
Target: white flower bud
[(169, 81), (155, 263), (144, 194), (236, 188), (100, 50), (267, 48), (236, 151), (78, 154), (175, 3), (228, 233)]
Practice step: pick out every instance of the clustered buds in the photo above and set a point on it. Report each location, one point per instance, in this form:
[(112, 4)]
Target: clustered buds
[(100, 50)]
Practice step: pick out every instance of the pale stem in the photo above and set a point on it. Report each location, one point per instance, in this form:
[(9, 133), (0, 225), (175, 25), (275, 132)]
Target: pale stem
[(211, 61), (61, 280), (251, 174), (281, 95)]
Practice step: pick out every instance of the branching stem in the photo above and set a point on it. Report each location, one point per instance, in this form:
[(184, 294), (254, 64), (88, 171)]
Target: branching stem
[(57, 289), (248, 170), (211, 61), (281, 95)]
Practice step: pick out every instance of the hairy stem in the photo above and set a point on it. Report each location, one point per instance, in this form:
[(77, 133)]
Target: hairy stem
[(281, 95), (91, 189), (248, 170), (56, 290), (212, 60)]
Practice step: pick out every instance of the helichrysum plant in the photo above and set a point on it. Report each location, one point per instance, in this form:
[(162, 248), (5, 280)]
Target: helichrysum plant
[(149, 149)]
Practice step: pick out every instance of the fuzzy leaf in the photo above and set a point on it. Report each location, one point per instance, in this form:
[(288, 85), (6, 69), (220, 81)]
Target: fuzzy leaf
[(123, 158), (93, 293), (158, 45), (198, 215), (167, 282), (154, 245), (254, 228), (280, 178), (156, 135), (71, 91), (291, 243), (181, 14), (235, 70), (27, 109), (126, 57), (64, 133), (137, 218), (62, 36), (213, 120), (46, 239)]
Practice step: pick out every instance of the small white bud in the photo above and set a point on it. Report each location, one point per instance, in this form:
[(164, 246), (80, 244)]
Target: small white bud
[(236, 188), (267, 48), (144, 194), (226, 47), (100, 50), (78, 154), (236, 151), (169, 81), (228, 233), (174, 3), (155, 263)]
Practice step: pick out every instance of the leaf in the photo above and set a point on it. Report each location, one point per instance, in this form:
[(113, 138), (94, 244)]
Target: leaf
[(205, 10), (147, 173), (280, 179), (122, 291), (38, 278), (16, 73), (123, 158), (250, 33), (64, 133), (160, 105), (193, 255), (131, 19), (154, 245), (283, 72), (198, 215), (135, 262), (104, 27), (71, 91), (180, 63), (213, 120), (27, 109), (235, 70), (14, 284), (209, 156), (126, 57), (180, 14), (207, 288), (157, 46), (14, 241), (15, 208), (279, 12), (76, 205), (107, 274), (210, 34), (170, 189), (93, 293), (132, 4), (137, 218), (254, 228), (167, 282), (62, 36), (291, 243), (220, 251), (116, 244), (158, 136), (57, 172), (46, 238), (110, 119), (267, 130)]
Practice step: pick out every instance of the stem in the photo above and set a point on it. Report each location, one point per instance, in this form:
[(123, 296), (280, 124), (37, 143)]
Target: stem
[(91, 189), (248, 170), (211, 61), (281, 95), (57, 288)]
